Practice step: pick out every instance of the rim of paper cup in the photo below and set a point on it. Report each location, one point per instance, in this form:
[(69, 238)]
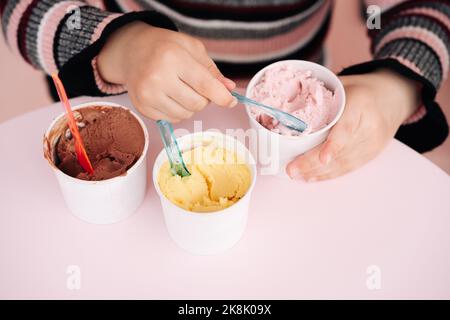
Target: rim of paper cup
[(206, 214), (311, 66), (105, 104)]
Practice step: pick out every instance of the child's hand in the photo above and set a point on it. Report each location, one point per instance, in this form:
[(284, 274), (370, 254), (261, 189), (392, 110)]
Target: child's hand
[(377, 104), (168, 74)]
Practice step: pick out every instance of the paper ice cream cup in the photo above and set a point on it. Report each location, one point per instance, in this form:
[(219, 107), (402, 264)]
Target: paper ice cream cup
[(279, 150), (105, 201), (210, 232)]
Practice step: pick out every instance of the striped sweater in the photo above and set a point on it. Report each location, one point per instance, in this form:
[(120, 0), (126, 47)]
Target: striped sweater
[(242, 36)]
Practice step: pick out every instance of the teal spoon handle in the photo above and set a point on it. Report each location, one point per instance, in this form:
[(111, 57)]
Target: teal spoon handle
[(286, 119), (177, 165)]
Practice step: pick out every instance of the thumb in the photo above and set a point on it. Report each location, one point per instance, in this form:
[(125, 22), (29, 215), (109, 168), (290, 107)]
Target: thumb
[(340, 135), (230, 84), (333, 145), (203, 58), (214, 70)]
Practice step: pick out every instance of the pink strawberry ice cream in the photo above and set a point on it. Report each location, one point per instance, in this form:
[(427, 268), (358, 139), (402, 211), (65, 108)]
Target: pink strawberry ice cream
[(297, 92)]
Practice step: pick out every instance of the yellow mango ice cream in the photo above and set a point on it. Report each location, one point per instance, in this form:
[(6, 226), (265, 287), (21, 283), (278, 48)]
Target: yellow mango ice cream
[(218, 179)]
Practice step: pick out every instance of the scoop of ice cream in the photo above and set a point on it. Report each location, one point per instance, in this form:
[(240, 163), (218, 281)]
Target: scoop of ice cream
[(297, 92), (218, 179), (113, 140)]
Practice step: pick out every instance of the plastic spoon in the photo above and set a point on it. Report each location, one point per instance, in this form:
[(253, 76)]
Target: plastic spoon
[(177, 165), (285, 119), (80, 151)]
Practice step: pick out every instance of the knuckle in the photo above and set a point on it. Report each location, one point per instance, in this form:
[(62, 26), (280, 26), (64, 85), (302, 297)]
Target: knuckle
[(377, 122), (212, 68), (163, 116), (373, 126), (198, 45), (213, 90), (154, 77), (224, 99), (336, 148), (207, 87), (199, 104), (304, 163), (166, 53), (166, 56), (150, 113), (186, 114), (342, 162), (349, 128), (364, 93), (142, 93)]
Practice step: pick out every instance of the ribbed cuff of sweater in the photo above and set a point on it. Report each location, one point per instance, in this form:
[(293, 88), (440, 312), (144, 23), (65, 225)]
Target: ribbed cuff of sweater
[(414, 40), (430, 128), (80, 73), (417, 34)]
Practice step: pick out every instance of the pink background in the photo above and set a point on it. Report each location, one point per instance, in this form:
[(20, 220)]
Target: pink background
[(23, 89)]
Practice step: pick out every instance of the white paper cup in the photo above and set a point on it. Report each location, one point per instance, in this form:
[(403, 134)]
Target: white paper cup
[(210, 232), (279, 150), (105, 201)]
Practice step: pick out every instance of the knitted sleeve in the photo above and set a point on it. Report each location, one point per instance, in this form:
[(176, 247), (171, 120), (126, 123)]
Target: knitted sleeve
[(66, 37), (413, 38)]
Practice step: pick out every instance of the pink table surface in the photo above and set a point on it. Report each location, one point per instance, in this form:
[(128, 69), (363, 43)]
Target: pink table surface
[(302, 240)]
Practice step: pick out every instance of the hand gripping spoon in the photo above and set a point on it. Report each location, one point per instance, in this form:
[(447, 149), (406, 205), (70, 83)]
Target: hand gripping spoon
[(284, 118), (177, 166), (81, 154)]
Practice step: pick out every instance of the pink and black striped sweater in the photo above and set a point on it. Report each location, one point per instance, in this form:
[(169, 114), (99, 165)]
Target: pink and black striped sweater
[(242, 36)]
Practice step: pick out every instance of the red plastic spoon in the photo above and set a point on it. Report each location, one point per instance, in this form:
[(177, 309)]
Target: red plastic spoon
[(79, 147)]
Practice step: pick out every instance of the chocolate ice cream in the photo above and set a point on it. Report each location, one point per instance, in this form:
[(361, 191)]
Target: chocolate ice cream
[(112, 137)]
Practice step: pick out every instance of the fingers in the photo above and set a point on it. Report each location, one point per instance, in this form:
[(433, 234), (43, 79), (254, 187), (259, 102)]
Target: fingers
[(212, 67), (155, 114), (346, 157), (332, 146), (230, 84), (347, 161), (341, 136), (169, 106), (199, 53), (187, 97), (159, 107), (304, 163), (207, 62), (332, 158), (310, 168), (330, 172), (199, 78), (320, 156), (178, 80)]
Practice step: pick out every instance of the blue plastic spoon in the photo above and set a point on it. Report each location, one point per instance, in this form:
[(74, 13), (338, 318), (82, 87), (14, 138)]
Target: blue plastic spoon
[(285, 119), (177, 165)]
